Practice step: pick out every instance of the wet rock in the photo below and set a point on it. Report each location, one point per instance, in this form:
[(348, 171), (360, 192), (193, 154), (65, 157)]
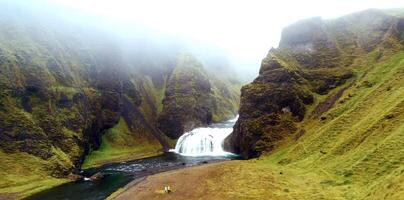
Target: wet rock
[(98, 176), (75, 177)]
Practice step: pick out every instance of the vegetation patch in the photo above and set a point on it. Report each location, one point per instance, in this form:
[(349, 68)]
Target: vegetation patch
[(120, 144), (23, 174)]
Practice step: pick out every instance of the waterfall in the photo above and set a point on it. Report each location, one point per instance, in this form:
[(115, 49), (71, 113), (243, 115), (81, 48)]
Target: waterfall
[(206, 141)]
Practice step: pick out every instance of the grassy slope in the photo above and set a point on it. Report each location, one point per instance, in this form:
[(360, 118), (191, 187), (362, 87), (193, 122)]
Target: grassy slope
[(356, 153), (22, 175), (120, 144), (226, 95), (155, 96)]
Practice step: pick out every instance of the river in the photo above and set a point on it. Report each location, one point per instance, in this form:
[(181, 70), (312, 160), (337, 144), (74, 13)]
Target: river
[(199, 146)]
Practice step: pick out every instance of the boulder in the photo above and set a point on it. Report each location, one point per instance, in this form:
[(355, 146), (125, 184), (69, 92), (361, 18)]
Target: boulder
[(98, 176), (76, 177)]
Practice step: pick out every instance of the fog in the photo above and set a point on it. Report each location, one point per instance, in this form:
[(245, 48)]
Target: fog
[(226, 33)]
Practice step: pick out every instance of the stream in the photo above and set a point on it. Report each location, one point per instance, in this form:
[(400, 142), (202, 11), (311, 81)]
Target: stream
[(199, 146)]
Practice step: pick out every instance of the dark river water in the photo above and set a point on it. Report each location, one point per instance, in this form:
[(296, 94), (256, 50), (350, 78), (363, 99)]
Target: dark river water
[(120, 174)]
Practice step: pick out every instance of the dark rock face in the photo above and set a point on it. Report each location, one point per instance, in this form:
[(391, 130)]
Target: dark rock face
[(272, 104), (310, 44), (188, 102), (194, 98), (400, 29), (313, 57), (76, 177)]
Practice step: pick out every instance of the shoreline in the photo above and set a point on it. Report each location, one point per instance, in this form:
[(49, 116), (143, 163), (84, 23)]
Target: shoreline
[(127, 186), (122, 159)]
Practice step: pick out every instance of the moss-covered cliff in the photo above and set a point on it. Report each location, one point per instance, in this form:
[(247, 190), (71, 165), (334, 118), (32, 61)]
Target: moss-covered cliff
[(316, 62), (72, 94), (195, 98)]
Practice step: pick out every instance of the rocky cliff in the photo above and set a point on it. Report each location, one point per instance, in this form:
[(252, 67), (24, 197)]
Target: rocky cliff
[(71, 94), (316, 61), (192, 99)]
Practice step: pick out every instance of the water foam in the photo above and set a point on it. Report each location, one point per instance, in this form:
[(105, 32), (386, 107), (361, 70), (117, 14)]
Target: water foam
[(206, 141)]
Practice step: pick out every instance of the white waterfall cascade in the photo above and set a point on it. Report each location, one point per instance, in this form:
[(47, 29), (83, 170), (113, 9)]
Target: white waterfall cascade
[(206, 141)]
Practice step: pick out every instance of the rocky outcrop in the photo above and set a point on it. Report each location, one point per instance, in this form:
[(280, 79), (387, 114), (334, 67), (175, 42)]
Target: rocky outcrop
[(98, 176), (313, 57), (192, 98), (187, 102)]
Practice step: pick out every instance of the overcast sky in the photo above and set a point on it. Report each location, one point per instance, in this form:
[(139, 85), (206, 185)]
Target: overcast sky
[(245, 29)]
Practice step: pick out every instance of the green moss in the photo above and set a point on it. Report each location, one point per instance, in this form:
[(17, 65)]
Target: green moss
[(156, 93), (120, 144), (226, 97), (69, 91), (22, 175)]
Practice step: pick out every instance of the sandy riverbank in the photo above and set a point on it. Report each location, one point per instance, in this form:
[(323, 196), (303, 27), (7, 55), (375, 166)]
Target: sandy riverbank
[(187, 183)]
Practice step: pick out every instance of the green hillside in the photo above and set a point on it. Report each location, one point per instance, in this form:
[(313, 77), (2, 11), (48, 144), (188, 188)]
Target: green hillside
[(327, 123), (355, 152)]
